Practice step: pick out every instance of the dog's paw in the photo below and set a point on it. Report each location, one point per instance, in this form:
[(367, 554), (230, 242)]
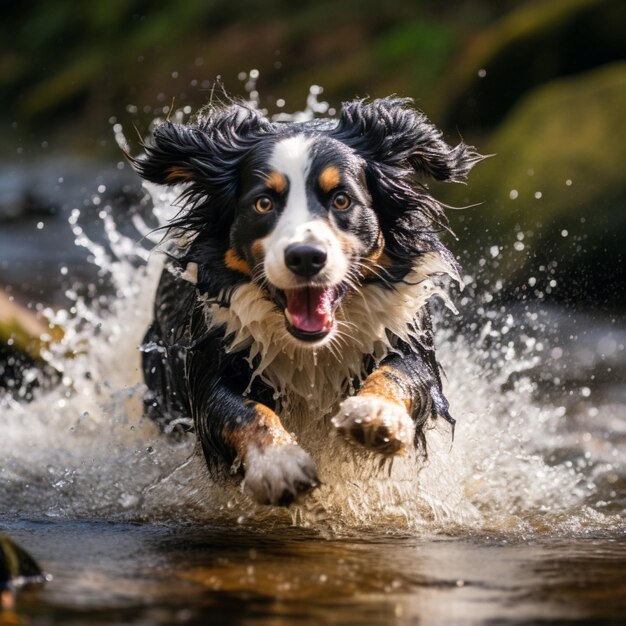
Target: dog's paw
[(279, 474), (376, 424)]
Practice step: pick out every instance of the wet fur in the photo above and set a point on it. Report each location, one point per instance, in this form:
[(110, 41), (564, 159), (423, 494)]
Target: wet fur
[(219, 347)]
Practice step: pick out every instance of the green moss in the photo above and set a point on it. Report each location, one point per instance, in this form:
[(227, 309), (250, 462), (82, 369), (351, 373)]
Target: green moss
[(533, 44), (61, 87), (13, 333), (558, 169), (568, 130), (420, 47)]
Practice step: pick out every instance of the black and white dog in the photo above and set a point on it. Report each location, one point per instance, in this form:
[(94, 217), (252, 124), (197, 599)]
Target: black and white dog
[(295, 294)]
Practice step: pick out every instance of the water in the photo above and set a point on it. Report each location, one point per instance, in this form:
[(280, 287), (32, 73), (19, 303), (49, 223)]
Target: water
[(520, 518), (125, 574)]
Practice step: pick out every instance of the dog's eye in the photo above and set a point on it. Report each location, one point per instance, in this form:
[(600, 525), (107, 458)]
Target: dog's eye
[(263, 204), (342, 201)]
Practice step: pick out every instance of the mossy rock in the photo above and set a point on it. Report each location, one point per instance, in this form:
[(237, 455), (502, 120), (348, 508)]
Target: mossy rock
[(537, 42), (555, 191), (23, 338), (17, 567), (20, 329)]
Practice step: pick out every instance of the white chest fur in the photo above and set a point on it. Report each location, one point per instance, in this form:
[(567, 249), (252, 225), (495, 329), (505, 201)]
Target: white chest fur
[(310, 381)]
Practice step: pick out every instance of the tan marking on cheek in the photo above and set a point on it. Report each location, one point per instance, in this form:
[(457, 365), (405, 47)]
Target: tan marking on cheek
[(329, 178), (384, 260), (177, 173), (234, 262), (377, 253), (376, 258), (265, 429), (390, 384), (258, 249), (277, 182)]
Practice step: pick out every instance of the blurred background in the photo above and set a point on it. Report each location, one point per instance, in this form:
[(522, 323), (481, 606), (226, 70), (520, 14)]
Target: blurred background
[(541, 84)]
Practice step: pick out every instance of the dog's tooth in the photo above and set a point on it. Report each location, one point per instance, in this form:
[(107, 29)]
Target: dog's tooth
[(288, 316)]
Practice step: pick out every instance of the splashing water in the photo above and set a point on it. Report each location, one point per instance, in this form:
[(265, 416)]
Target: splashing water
[(83, 450)]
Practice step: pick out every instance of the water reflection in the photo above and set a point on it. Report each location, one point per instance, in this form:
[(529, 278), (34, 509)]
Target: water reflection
[(107, 573)]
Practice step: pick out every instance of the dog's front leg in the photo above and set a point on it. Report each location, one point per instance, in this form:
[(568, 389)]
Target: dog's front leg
[(277, 469), (250, 435), (392, 404)]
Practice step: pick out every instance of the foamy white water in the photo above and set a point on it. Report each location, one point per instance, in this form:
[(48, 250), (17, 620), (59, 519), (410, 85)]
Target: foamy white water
[(84, 451)]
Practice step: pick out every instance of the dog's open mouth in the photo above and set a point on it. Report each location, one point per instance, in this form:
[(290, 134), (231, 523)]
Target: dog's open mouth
[(310, 311)]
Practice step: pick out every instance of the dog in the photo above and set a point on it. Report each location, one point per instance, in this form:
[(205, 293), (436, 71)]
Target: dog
[(295, 291)]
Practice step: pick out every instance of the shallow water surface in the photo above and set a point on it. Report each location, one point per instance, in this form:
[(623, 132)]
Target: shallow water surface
[(147, 574)]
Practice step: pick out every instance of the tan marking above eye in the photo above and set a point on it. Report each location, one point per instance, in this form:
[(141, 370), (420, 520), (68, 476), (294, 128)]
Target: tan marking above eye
[(330, 178), (263, 204), (342, 201), (277, 182)]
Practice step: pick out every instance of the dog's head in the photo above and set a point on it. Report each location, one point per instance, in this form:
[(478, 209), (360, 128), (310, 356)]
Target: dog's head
[(308, 211)]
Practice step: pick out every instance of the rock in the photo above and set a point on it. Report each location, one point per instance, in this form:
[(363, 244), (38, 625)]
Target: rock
[(17, 569), (22, 337), (20, 328), (531, 45), (554, 193)]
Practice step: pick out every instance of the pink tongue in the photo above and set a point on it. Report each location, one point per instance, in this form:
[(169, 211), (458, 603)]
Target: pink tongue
[(310, 308)]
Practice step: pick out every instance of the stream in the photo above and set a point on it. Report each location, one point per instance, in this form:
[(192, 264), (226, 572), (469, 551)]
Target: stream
[(519, 519)]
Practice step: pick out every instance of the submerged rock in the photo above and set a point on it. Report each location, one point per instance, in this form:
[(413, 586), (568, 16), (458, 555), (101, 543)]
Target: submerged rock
[(17, 569), (552, 217)]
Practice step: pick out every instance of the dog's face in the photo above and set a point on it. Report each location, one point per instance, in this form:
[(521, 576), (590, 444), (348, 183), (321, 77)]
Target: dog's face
[(307, 211), (305, 225)]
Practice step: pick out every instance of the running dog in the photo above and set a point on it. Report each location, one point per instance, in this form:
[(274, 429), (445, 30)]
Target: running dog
[(296, 287)]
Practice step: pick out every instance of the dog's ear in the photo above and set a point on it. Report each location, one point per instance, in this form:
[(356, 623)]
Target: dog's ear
[(391, 132), (205, 152)]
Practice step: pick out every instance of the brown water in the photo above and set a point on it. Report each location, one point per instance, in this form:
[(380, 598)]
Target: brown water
[(147, 574)]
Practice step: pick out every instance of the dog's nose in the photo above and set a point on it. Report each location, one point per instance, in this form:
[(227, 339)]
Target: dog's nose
[(305, 259)]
